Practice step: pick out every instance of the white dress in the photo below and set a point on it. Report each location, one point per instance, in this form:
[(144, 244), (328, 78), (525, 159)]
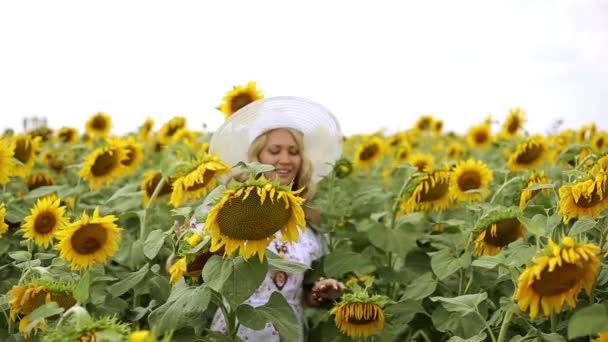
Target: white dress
[(309, 247)]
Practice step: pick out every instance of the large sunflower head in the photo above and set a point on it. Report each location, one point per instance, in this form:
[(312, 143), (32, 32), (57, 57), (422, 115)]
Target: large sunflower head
[(480, 136), (68, 135), (134, 152), (198, 180), (497, 229), (168, 130), (584, 198), (529, 154), (599, 142), (89, 240), (7, 162), (424, 162), (46, 218), (251, 213), (35, 293), (239, 97), (103, 165), (37, 180), (99, 125), (424, 123), (431, 192), (557, 275), (359, 314), (369, 152), (25, 148), (3, 225), (89, 330), (514, 123), (471, 175), (535, 179)]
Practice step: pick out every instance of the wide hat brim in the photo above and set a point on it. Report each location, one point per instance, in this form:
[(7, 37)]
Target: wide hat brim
[(321, 130)]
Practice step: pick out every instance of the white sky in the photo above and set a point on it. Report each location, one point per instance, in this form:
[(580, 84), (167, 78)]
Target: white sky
[(376, 64)]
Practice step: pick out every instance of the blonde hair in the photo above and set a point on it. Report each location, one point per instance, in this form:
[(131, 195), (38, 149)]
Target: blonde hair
[(304, 175)]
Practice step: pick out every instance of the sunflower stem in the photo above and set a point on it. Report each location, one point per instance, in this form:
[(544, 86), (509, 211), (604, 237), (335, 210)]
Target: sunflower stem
[(553, 322), (142, 227), (396, 204), (488, 328), (505, 326), (502, 188)]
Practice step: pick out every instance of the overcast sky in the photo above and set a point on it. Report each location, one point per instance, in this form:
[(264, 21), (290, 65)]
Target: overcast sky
[(375, 64)]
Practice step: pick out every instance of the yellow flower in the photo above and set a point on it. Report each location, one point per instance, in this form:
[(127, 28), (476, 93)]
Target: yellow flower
[(515, 121), (480, 136), (239, 97), (169, 129), (586, 198), (148, 185), (491, 239), (104, 165), (424, 123), (556, 276), (432, 193), (455, 151), (146, 129), (140, 336), (369, 152), (7, 163), (89, 240), (528, 155), (177, 270), (599, 142), (46, 218), (403, 154), (37, 180), (3, 225), (535, 179), (424, 162), (67, 135), (361, 281), (471, 175), (359, 315), (438, 127), (199, 181), (602, 337), (25, 148), (248, 216), (99, 125), (134, 152)]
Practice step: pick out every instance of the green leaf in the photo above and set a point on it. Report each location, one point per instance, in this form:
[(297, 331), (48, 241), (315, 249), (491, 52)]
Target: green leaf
[(401, 313), (185, 307), (129, 190), (340, 262), (129, 281), (582, 225), (216, 271), (463, 304), (81, 292), (534, 225), (277, 311), (43, 191), (421, 287), (277, 263), (44, 311), (20, 255), (477, 338), (444, 263), (245, 278), (489, 262), (541, 186), (398, 241), (183, 211), (154, 242), (589, 320)]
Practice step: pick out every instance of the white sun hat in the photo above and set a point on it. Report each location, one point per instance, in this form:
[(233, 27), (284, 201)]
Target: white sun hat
[(321, 130)]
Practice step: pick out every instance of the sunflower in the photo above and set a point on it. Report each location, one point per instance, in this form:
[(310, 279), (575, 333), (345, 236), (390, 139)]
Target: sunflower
[(430, 193), (30, 296), (403, 154), (424, 162), (37, 180), (480, 136), (515, 121), (497, 229), (455, 151), (89, 240), (99, 125), (585, 133), (239, 97), (395, 140), (25, 148), (89, 330), (471, 175), (7, 162), (146, 128), (3, 225), (362, 281), (169, 129), (67, 135), (601, 337), (599, 142), (103, 165), (369, 152), (343, 167), (199, 180), (359, 315), (528, 155), (148, 185), (535, 179), (438, 127), (557, 275), (585, 198), (177, 270), (134, 154), (424, 123), (45, 219), (250, 213), (141, 336)]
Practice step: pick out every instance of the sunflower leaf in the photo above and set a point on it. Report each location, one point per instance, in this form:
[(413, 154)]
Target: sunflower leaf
[(129, 281), (582, 225), (275, 262), (421, 287), (445, 263), (128, 190), (154, 242), (184, 307), (276, 311), (81, 292), (42, 312), (244, 278), (589, 320), (43, 191), (216, 271), (340, 262), (463, 304)]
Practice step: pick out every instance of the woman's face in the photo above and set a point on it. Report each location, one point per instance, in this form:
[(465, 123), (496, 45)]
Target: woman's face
[(282, 152)]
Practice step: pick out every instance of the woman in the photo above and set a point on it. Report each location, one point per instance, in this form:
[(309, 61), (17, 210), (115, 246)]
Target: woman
[(300, 139)]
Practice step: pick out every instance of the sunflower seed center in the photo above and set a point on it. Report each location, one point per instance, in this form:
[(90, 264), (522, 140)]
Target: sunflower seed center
[(45, 222), (104, 164), (89, 239), (562, 279)]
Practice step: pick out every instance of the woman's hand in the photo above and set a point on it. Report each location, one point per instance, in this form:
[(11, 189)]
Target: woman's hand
[(326, 289)]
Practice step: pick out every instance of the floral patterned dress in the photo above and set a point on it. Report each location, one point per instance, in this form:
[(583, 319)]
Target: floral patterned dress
[(309, 247)]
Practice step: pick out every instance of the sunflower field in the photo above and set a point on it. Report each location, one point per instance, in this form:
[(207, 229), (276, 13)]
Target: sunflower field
[(487, 236)]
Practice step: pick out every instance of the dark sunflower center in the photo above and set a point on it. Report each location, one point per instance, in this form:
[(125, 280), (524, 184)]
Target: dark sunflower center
[(588, 202), (33, 302), (99, 123), (562, 279), (45, 222), (599, 143), (207, 177), (530, 154), (39, 180), (507, 231), (513, 126), (369, 151), (66, 136), (421, 165), (240, 101), (469, 180), (424, 124), (64, 299), (23, 151), (250, 220), (481, 137), (403, 155), (166, 189), (130, 156), (173, 129), (438, 126), (56, 165), (89, 238), (104, 164), (435, 192)]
